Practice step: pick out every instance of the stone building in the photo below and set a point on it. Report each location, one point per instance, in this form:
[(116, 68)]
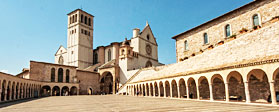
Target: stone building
[(233, 57)]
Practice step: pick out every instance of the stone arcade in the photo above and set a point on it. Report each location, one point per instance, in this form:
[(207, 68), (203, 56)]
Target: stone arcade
[(233, 57)]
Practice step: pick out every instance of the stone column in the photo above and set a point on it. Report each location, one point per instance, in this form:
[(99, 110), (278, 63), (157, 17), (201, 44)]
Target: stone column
[(0, 93), (198, 92), (227, 92), (211, 92), (5, 96), (247, 93), (273, 94), (165, 92), (149, 90), (178, 91), (187, 92)]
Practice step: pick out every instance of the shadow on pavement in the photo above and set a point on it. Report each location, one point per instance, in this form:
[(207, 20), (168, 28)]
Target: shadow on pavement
[(14, 102)]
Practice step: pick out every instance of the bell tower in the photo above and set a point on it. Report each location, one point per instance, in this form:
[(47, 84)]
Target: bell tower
[(80, 39)]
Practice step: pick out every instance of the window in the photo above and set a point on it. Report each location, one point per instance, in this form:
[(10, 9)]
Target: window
[(70, 20), (81, 18), (52, 77), (109, 55), (73, 20), (186, 45), (95, 58), (61, 60), (85, 32), (85, 20), (147, 37), (205, 38), (148, 64), (228, 30), (256, 21), (81, 30), (75, 17), (88, 33), (60, 75), (67, 76), (89, 22)]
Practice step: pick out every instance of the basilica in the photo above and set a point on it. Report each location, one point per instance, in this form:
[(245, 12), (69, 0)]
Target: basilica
[(231, 58)]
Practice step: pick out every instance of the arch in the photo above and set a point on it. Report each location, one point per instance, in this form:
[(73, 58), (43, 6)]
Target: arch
[(13, 91), (46, 91), (228, 30), (258, 85), (161, 85), (55, 91), (192, 88), (60, 75), (205, 38), (109, 55), (73, 90), (89, 21), (3, 90), (151, 90), (52, 77), (156, 89), (85, 19), (75, 18), (147, 88), (65, 91), (135, 91), (276, 84), (20, 91), (167, 86), (204, 88), (218, 87), (236, 86), (140, 90), (90, 91), (61, 60), (182, 88), (8, 90), (256, 20), (67, 76), (148, 64), (174, 88), (106, 84), (81, 18), (17, 90)]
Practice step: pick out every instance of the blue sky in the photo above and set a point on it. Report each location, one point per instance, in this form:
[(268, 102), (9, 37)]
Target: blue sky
[(34, 29)]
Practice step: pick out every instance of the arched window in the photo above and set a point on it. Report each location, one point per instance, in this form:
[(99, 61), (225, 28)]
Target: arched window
[(109, 55), (256, 21), (89, 22), (60, 75), (61, 60), (205, 38), (147, 37), (85, 20), (81, 18), (75, 17), (67, 76), (73, 20), (186, 45), (52, 77), (148, 64), (70, 20), (228, 30)]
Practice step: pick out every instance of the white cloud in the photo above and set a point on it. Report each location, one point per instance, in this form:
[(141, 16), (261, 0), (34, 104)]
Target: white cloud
[(5, 71)]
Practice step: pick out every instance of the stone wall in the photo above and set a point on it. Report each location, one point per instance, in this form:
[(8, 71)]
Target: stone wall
[(215, 29), (88, 80)]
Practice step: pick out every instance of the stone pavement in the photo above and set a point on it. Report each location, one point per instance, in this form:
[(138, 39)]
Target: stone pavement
[(114, 103)]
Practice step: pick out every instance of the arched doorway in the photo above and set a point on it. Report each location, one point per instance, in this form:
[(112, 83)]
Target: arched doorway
[(192, 88), (90, 91), (106, 84), (151, 89), (55, 91), (167, 86), (204, 88), (73, 90), (258, 86), (276, 85), (60, 75), (156, 89), (236, 86), (13, 91), (147, 90), (174, 88), (218, 87), (17, 88), (45, 91), (3, 90), (161, 85), (182, 88), (65, 91), (8, 91)]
